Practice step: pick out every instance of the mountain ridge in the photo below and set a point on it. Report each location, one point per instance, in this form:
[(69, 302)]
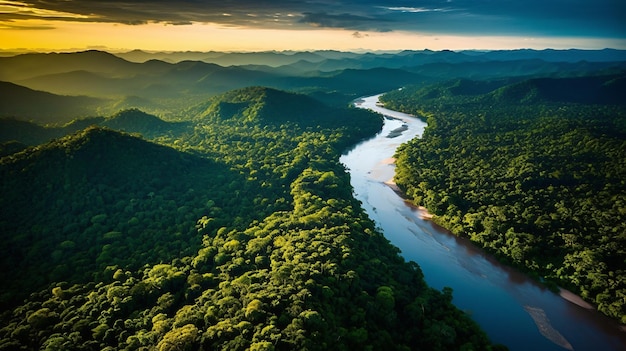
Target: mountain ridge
[(44, 107)]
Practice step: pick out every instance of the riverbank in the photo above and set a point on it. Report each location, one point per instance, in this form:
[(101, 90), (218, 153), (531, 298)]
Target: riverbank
[(456, 222), (493, 293), (575, 299), (423, 211)]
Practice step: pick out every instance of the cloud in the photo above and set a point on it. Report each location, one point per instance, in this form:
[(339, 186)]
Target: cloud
[(470, 17), (13, 25), (416, 9), (346, 21), (359, 35)]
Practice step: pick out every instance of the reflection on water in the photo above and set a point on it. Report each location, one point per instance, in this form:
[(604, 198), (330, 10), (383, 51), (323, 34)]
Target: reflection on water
[(513, 309)]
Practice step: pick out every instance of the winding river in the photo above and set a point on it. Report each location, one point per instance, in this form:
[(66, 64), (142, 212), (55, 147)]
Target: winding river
[(512, 308)]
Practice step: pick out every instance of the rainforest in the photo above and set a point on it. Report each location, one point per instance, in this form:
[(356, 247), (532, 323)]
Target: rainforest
[(188, 201)]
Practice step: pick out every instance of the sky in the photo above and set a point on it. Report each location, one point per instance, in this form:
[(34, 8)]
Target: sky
[(260, 25)]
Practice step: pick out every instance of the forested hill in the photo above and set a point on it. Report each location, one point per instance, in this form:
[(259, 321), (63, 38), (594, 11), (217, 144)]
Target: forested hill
[(248, 240), (587, 90), (600, 90), (261, 105), (100, 198), (264, 105), (541, 185), (150, 126), (130, 120)]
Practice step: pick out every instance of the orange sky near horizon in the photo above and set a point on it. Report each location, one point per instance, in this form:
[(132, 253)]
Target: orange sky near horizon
[(48, 35)]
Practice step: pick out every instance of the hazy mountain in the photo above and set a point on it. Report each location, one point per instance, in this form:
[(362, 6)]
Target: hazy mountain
[(30, 133), (129, 120), (172, 81), (140, 56), (32, 65), (514, 68), (11, 147), (272, 59), (25, 132), (195, 80), (137, 121), (551, 55), (585, 90), (601, 90), (334, 77), (346, 85), (268, 58), (75, 82), (24, 103)]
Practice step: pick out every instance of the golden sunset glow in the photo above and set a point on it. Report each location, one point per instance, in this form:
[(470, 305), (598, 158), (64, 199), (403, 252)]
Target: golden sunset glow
[(46, 35), (291, 25)]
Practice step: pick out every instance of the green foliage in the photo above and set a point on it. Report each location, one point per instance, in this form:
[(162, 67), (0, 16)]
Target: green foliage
[(99, 198), (150, 126), (179, 339), (541, 186), (250, 239)]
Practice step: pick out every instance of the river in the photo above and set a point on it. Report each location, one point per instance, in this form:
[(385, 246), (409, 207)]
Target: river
[(512, 308)]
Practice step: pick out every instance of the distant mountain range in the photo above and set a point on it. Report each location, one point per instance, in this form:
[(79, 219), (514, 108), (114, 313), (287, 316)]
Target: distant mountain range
[(57, 88), (165, 88), (281, 58)]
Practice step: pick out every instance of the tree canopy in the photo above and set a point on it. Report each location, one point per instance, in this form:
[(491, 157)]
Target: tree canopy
[(241, 233)]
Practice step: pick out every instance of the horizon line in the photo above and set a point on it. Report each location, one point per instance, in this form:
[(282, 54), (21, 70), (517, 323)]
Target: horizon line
[(357, 51)]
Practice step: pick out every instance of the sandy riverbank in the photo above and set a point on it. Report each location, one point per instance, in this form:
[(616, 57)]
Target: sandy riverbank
[(575, 299), (422, 211)]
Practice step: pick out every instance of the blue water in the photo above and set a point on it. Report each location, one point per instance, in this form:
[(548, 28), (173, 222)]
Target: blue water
[(502, 300)]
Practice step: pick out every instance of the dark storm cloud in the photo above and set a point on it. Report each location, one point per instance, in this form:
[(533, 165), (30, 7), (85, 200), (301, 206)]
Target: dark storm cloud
[(534, 17)]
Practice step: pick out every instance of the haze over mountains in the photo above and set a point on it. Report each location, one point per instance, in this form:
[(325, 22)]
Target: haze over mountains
[(333, 77)]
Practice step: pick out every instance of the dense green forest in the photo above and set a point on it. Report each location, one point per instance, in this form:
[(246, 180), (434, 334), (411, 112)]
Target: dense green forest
[(238, 231), (533, 170)]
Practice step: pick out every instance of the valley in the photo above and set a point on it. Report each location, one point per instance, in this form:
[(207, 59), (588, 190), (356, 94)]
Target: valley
[(197, 200)]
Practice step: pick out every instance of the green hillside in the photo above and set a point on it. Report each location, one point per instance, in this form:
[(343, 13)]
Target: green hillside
[(99, 199), (11, 147), (20, 102), (131, 121), (607, 90), (533, 171), (266, 105), (150, 126)]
